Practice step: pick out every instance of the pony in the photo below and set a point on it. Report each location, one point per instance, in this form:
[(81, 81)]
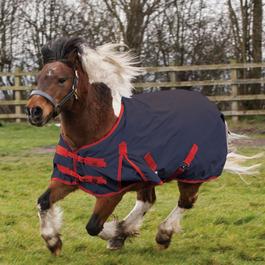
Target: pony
[(112, 142)]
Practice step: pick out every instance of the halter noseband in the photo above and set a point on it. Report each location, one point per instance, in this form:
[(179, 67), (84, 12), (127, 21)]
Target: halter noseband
[(58, 106)]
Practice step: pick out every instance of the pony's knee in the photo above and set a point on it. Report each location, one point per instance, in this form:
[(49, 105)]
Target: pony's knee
[(147, 195), (93, 226), (188, 202), (44, 201), (188, 194)]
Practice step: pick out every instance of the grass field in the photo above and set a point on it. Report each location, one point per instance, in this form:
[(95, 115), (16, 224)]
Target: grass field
[(227, 225)]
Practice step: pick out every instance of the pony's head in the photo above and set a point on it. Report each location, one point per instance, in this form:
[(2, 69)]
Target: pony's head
[(70, 68)]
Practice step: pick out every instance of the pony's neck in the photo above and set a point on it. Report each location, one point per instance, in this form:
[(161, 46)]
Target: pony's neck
[(90, 117)]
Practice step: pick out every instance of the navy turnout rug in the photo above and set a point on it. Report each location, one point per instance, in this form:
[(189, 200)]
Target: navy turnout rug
[(157, 137)]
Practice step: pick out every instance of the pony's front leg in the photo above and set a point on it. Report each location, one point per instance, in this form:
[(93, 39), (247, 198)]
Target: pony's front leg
[(103, 209), (51, 216)]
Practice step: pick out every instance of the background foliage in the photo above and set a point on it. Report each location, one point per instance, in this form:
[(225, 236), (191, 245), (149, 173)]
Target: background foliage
[(161, 32)]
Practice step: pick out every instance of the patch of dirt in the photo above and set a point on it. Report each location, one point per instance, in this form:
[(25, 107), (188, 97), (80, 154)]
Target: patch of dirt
[(250, 142), (249, 130), (44, 150)]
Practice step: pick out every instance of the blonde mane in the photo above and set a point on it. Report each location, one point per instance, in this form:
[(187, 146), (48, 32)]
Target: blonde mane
[(115, 69)]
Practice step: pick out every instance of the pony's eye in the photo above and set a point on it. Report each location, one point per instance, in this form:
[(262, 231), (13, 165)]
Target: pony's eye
[(62, 80)]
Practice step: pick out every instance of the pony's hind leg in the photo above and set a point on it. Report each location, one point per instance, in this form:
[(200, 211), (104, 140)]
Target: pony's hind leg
[(51, 216), (131, 224), (188, 196)]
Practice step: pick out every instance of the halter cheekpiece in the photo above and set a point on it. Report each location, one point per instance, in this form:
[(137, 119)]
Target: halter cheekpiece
[(58, 106)]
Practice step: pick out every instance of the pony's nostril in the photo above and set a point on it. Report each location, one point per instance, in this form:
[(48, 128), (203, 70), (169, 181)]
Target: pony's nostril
[(36, 112)]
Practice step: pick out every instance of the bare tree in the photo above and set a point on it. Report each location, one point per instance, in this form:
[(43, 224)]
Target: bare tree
[(257, 39), (97, 26), (9, 28), (43, 21), (186, 34), (246, 18), (8, 33), (133, 17), (246, 26)]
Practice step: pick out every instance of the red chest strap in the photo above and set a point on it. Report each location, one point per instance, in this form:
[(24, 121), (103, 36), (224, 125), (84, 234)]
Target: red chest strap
[(89, 179), (91, 161)]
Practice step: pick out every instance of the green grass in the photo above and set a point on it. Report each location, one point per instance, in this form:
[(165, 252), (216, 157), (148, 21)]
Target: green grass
[(227, 225)]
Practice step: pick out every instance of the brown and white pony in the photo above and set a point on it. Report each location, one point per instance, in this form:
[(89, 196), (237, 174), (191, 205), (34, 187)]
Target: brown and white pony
[(85, 87)]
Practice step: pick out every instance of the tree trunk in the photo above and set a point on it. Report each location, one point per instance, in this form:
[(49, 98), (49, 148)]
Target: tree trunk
[(257, 41)]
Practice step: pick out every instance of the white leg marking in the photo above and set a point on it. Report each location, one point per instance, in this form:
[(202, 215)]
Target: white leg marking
[(52, 242), (172, 222), (50, 222), (109, 230), (133, 221)]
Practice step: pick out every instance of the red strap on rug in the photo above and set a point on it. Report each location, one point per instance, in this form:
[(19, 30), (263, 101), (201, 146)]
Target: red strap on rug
[(186, 163), (91, 161), (122, 151), (150, 161), (123, 155), (191, 154), (90, 179)]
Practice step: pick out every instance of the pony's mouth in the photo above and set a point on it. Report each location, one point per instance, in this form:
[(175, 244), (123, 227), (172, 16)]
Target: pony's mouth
[(36, 123), (39, 122)]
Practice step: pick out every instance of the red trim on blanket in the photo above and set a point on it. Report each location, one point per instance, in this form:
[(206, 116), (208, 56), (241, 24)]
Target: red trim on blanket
[(196, 180), (93, 193), (91, 161), (90, 179), (150, 161), (124, 189), (104, 137)]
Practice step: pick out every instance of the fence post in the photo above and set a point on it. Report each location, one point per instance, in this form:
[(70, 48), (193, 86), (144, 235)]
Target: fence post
[(234, 90), (172, 78), (18, 109)]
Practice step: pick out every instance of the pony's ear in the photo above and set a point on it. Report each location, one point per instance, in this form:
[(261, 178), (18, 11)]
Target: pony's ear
[(73, 58)]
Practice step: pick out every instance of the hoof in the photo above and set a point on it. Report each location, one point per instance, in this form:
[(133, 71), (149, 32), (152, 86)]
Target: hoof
[(57, 252), (56, 248), (163, 240), (162, 247), (116, 243)]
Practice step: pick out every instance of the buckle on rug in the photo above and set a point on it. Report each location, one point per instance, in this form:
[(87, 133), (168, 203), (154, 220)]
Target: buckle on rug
[(184, 166)]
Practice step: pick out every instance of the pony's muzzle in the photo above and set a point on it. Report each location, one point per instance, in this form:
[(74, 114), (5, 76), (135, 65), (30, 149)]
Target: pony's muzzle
[(39, 110), (35, 115)]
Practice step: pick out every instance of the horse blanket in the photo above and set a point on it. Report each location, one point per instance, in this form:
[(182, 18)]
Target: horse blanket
[(157, 137)]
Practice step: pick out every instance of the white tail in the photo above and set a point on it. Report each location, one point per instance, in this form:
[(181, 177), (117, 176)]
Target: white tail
[(234, 160)]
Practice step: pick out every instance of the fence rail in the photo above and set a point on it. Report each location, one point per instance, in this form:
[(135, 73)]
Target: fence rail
[(234, 82)]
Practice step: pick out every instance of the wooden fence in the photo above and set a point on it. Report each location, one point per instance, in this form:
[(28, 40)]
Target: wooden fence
[(233, 82)]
